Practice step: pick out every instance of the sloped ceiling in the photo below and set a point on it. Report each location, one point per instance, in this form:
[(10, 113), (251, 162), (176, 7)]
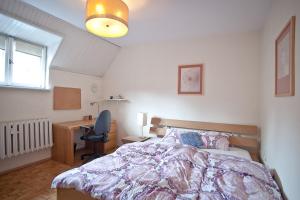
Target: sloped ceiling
[(159, 20), (80, 51)]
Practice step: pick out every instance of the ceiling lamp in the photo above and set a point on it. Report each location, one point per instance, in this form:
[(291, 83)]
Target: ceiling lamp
[(107, 18)]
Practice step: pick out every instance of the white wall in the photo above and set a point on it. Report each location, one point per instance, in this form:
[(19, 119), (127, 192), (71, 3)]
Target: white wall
[(17, 104), (147, 76), (280, 125)]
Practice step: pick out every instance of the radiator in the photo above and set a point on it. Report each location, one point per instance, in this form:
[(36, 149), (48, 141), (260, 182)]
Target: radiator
[(19, 137)]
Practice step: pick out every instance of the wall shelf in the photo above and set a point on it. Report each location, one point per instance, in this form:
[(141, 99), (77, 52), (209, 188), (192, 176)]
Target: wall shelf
[(115, 99)]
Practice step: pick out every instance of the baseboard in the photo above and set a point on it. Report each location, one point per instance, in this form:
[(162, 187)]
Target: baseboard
[(24, 166)]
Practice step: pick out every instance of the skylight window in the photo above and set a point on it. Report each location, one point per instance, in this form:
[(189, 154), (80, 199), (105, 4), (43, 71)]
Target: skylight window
[(23, 64)]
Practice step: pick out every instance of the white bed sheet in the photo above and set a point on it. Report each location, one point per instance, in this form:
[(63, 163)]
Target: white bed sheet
[(233, 151)]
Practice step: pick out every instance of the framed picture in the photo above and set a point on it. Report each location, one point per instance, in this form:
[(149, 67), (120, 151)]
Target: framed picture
[(285, 61), (190, 79)]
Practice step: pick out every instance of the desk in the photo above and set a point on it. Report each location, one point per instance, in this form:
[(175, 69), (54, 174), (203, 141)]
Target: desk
[(63, 139)]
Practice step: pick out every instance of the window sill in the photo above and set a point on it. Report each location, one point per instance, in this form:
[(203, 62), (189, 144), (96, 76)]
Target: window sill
[(24, 88)]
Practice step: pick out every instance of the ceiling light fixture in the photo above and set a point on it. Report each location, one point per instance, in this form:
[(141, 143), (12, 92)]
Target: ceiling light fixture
[(107, 18)]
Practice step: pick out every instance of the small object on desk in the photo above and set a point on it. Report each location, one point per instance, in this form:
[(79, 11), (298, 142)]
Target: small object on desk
[(111, 97), (85, 118), (132, 138), (90, 117)]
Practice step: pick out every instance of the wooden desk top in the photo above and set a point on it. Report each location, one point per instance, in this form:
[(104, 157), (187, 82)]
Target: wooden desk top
[(77, 124)]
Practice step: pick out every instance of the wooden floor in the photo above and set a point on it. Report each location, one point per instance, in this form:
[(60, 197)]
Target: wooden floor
[(33, 183)]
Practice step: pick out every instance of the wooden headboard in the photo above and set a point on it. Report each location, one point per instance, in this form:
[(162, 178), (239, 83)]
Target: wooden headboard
[(243, 136)]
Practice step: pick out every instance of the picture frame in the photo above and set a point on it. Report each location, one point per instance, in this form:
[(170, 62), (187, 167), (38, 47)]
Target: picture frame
[(285, 61), (190, 79)]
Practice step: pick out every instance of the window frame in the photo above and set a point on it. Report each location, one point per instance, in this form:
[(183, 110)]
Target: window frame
[(9, 58), (5, 60)]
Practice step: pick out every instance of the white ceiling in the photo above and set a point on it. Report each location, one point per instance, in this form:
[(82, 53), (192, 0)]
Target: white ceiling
[(157, 20)]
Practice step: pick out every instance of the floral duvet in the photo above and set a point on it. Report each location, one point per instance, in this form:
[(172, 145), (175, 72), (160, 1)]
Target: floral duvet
[(166, 170)]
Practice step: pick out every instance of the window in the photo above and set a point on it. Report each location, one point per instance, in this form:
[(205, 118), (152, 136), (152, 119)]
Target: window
[(2, 59), (25, 65)]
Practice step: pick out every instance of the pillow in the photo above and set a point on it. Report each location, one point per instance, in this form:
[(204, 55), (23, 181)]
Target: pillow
[(192, 139), (174, 134), (211, 139), (216, 141)]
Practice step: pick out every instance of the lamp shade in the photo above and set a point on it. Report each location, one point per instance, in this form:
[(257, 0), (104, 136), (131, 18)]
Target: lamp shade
[(142, 119), (107, 18)]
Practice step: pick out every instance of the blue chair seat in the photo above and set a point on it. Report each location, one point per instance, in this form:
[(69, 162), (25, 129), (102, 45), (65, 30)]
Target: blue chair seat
[(92, 138)]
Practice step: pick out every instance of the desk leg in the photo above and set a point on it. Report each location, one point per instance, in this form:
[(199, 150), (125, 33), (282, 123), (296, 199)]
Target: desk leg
[(70, 148)]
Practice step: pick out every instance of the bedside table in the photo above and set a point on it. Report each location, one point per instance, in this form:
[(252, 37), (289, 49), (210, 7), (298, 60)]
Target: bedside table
[(132, 138)]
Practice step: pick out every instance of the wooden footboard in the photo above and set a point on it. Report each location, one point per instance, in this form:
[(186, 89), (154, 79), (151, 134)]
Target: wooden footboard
[(71, 194)]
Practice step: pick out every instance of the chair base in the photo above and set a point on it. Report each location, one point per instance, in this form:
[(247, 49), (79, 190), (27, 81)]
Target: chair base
[(91, 156)]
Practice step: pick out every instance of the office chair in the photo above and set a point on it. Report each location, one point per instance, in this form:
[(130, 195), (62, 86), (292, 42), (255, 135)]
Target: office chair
[(97, 133)]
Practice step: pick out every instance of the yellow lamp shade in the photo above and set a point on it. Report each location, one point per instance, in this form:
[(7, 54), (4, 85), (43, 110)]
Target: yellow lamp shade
[(107, 18)]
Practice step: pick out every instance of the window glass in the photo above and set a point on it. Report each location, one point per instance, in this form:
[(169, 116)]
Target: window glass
[(28, 66), (2, 58)]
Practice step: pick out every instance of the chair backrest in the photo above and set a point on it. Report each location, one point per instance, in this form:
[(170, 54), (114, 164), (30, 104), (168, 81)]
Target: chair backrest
[(102, 125)]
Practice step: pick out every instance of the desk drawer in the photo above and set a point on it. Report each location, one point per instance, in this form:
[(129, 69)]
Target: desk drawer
[(113, 127), (112, 143)]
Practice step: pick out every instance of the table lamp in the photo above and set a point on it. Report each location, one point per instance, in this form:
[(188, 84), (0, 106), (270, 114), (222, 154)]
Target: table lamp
[(142, 121)]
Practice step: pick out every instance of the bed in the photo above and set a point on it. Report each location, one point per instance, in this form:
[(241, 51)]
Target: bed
[(164, 169)]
